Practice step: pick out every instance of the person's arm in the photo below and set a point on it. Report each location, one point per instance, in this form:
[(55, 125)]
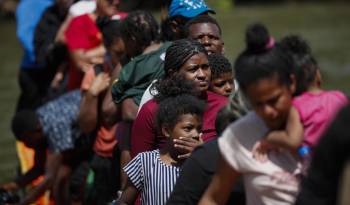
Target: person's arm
[(129, 195), (221, 185), (89, 103), (143, 133), (37, 170), (129, 109), (53, 163), (292, 137)]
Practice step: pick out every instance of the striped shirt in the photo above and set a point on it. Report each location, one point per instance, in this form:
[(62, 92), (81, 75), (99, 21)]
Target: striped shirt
[(152, 177)]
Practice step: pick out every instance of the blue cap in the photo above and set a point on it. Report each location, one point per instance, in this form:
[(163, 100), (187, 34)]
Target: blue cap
[(188, 8)]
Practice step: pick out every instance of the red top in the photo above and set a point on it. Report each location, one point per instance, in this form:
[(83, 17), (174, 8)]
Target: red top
[(145, 136), (81, 33)]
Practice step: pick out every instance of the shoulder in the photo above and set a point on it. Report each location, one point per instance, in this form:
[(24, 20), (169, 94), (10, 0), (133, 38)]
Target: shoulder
[(245, 131), (216, 99), (340, 95)]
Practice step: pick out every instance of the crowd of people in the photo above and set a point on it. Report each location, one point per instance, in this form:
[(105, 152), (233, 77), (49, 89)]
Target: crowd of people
[(120, 109)]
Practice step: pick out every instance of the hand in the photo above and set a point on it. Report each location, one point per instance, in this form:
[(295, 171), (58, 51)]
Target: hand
[(261, 149), (10, 186), (99, 84), (186, 145)]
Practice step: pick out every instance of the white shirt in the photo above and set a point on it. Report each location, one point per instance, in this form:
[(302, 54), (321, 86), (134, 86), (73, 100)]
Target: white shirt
[(273, 182)]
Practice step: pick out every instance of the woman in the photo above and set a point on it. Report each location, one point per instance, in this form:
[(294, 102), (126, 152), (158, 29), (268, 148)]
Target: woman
[(187, 60), (266, 77)]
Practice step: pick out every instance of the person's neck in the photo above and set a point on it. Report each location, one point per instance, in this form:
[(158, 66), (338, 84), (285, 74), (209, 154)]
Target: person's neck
[(314, 89), (169, 155)]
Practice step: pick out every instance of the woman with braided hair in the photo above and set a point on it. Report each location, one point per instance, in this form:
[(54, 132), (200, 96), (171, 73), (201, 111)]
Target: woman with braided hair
[(186, 70), (140, 33)]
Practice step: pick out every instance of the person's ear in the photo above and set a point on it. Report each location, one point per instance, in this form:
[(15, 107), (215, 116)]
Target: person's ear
[(293, 83), (166, 131), (318, 77)]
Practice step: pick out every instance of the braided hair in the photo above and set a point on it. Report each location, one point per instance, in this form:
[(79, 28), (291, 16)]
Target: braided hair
[(140, 27), (219, 65), (179, 52)]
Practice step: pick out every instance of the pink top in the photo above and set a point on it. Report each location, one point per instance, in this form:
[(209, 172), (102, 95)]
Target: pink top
[(146, 137), (317, 111)]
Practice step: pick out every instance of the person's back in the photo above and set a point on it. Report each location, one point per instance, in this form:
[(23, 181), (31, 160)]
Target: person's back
[(316, 111)]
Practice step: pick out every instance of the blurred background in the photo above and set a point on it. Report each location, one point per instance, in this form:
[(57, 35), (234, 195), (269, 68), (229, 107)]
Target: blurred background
[(324, 23)]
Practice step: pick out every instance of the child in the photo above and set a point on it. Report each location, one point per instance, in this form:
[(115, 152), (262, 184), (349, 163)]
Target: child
[(221, 75), (312, 110), (154, 173)]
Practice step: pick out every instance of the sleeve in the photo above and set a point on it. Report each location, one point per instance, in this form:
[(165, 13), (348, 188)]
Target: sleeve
[(143, 131), (191, 184), (134, 171), (87, 80), (76, 34)]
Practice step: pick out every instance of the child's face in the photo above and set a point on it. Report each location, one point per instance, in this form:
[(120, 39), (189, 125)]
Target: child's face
[(223, 85), (188, 125)]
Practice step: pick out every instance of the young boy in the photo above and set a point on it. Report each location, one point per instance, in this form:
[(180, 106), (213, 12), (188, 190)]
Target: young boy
[(222, 79)]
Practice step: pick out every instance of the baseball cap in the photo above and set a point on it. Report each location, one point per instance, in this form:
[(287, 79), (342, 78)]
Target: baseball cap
[(188, 8)]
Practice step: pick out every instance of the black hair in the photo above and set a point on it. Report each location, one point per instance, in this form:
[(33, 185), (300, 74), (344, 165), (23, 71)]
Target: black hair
[(201, 19), (258, 61), (228, 114), (179, 52), (141, 27), (167, 32), (24, 121), (111, 32), (306, 64), (171, 109), (219, 65), (173, 86)]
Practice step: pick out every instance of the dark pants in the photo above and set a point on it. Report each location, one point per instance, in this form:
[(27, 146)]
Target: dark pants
[(106, 178)]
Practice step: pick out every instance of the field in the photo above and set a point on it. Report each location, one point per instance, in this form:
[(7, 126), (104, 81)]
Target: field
[(325, 26)]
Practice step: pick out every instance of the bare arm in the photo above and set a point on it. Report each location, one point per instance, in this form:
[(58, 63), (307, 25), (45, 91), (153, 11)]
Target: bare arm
[(129, 194), (89, 103), (129, 109), (292, 137), (53, 163), (221, 185)]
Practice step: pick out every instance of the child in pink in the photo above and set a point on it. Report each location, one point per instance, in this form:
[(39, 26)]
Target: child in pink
[(313, 109)]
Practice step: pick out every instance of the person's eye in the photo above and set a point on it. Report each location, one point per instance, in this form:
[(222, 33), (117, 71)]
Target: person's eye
[(220, 84), (205, 66)]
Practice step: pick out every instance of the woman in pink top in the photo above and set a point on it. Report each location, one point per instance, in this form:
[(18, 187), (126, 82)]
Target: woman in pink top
[(185, 62), (312, 110)]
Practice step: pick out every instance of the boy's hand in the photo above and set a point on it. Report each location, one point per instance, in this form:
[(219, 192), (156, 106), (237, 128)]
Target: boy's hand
[(261, 149)]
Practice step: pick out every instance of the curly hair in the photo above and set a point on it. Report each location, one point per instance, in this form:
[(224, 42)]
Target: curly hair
[(219, 65), (171, 109)]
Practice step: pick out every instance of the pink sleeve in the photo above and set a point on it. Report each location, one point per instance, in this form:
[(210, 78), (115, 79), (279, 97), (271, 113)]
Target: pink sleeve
[(143, 131)]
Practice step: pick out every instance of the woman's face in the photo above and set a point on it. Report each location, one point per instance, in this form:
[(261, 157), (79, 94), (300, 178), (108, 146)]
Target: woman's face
[(197, 70), (271, 100)]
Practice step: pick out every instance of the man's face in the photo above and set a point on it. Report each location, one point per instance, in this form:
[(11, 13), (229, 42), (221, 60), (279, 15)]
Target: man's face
[(208, 35)]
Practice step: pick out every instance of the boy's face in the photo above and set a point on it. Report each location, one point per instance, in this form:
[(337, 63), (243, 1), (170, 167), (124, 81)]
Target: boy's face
[(223, 85)]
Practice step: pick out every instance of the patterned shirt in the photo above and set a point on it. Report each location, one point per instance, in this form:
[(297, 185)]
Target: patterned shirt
[(57, 118), (152, 177)]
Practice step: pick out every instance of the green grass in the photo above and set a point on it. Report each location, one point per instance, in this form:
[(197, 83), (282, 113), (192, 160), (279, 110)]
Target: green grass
[(325, 26)]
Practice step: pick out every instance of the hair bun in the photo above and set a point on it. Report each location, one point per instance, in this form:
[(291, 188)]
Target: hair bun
[(295, 44), (257, 38)]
